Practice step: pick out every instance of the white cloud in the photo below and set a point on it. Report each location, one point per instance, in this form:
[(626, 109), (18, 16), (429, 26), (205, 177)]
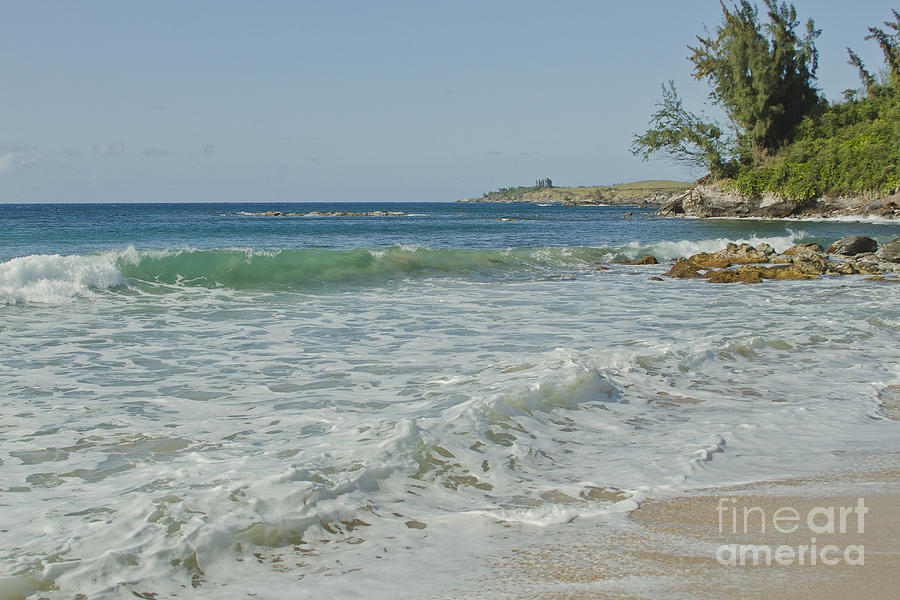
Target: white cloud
[(114, 148), (14, 162), (6, 162)]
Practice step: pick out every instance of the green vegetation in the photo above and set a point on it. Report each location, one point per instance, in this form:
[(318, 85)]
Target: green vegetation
[(852, 148), (611, 194), (782, 136)]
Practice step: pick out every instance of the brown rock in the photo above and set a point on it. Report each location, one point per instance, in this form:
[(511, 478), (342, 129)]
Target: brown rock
[(810, 265), (867, 268), (741, 254), (791, 273), (736, 276), (684, 269), (601, 268), (654, 279), (840, 268), (803, 249), (881, 278), (706, 260), (766, 249), (764, 272), (646, 260)]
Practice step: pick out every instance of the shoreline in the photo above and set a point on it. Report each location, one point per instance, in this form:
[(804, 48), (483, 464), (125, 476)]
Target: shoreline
[(672, 547)]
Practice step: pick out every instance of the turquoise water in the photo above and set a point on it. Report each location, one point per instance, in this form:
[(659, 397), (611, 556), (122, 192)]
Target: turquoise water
[(78, 229), (201, 403)]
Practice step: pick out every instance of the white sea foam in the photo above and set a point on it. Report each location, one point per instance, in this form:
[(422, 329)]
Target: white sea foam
[(677, 249), (52, 278), (237, 441)]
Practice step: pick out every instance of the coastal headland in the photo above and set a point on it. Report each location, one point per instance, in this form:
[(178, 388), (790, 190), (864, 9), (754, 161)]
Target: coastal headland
[(708, 199), (654, 192), (702, 199)]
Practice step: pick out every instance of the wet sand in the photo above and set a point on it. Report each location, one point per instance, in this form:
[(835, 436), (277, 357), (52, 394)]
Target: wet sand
[(676, 547)]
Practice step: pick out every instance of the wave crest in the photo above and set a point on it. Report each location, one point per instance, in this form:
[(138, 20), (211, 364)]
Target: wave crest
[(54, 278)]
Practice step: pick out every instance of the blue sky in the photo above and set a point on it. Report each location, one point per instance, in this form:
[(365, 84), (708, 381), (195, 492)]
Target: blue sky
[(350, 101)]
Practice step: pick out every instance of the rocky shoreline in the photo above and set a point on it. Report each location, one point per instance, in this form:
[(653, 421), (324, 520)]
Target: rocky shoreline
[(743, 263), (649, 193), (650, 200), (712, 200)]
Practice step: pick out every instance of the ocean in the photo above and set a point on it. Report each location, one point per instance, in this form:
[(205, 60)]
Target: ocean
[(198, 402)]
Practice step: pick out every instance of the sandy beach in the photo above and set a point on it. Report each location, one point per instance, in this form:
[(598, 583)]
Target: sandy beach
[(699, 546)]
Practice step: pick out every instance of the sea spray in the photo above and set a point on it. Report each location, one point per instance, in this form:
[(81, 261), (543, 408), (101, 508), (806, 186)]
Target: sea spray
[(54, 278)]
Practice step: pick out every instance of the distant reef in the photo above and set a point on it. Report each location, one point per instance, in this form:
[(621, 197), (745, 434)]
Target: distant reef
[(715, 199), (330, 213), (639, 193)]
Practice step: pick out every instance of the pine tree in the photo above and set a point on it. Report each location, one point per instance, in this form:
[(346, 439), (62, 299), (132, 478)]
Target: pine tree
[(890, 47), (763, 82), (761, 76)]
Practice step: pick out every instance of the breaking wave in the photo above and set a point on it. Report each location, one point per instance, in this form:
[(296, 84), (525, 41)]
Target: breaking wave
[(54, 278)]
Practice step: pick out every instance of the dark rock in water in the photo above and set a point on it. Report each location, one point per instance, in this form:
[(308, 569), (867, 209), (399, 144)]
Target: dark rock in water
[(601, 268), (646, 260), (654, 279), (684, 269), (890, 251), (852, 245), (802, 249)]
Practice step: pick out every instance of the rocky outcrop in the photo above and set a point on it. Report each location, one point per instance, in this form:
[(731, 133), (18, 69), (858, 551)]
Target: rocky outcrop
[(890, 251), (652, 193), (733, 254), (684, 269), (646, 260), (803, 249), (707, 199), (743, 263), (852, 245), (712, 200)]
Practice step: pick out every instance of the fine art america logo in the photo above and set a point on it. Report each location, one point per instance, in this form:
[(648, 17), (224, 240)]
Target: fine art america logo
[(831, 521)]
